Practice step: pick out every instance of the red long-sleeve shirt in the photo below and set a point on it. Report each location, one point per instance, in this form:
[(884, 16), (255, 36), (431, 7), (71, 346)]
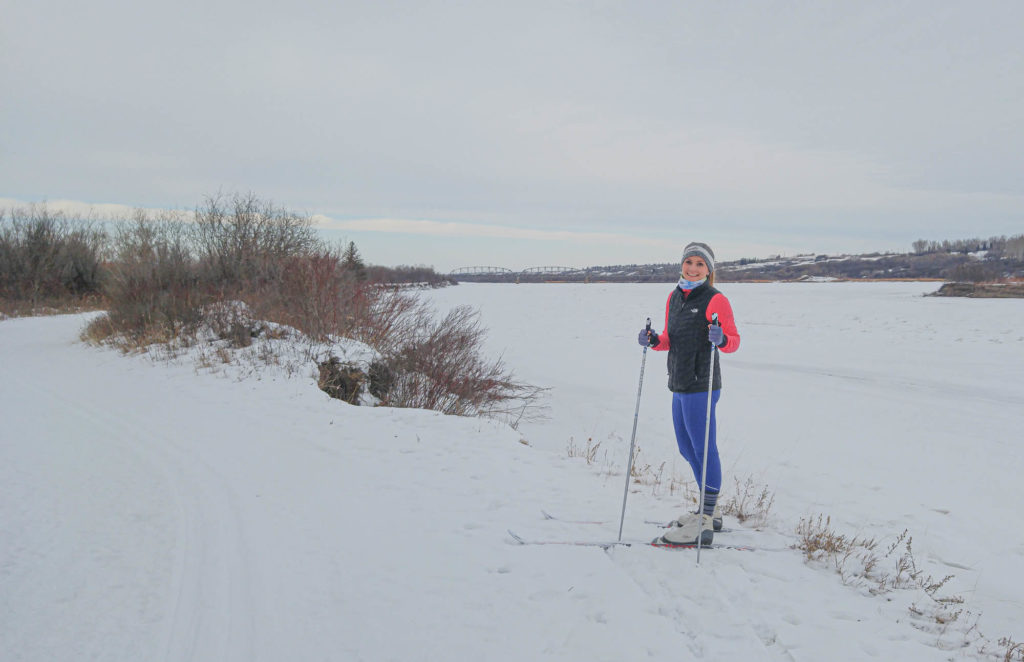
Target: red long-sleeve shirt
[(718, 304)]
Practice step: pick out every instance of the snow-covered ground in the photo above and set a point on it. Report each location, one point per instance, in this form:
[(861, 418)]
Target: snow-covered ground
[(154, 511)]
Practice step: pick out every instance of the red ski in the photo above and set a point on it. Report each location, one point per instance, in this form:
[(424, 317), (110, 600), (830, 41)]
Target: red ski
[(608, 544)]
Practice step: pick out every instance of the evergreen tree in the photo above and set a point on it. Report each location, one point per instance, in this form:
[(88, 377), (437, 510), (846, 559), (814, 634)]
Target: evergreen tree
[(353, 262)]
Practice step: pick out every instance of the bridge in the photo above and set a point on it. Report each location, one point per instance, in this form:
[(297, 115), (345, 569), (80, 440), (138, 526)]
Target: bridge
[(550, 271), (626, 273), (481, 271), (531, 274)]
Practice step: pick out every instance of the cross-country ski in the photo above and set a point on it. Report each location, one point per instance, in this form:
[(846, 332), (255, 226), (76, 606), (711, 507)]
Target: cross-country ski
[(629, 543), (662, 523)]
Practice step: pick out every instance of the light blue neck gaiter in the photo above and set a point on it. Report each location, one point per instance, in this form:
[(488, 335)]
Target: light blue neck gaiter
[(690, 284)]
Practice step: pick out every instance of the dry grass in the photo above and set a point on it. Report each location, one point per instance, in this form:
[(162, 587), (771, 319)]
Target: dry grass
[(664, 481), (61, 305), (817, 540), (749, 503), (860, 563), (1014, 651), (588, 451)]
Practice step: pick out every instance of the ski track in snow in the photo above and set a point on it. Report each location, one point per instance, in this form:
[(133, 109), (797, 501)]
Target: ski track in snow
[(152, 513), (184, 503)]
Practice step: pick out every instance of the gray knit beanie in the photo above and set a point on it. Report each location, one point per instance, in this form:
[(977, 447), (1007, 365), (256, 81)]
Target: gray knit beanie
[(702, 251)]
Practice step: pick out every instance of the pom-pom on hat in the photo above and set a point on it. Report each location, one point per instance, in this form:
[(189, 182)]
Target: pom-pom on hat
[(702, 251)]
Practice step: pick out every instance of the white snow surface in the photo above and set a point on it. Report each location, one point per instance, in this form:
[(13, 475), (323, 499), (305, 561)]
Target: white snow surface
[(156, 511)]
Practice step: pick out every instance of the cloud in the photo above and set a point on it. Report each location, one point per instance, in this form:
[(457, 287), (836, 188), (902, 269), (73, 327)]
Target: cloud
[(100, 211)]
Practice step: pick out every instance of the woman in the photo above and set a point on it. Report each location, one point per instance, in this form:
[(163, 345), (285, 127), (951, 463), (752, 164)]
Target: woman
[(688, 337)]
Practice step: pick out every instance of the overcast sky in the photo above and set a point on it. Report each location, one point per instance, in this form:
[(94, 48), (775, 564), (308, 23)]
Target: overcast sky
[(523, 133)]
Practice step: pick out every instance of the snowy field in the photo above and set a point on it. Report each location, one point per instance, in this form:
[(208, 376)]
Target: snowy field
[(151, 511)]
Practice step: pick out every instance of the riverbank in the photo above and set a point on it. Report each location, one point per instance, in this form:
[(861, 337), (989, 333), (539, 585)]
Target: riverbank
[(982, 290)]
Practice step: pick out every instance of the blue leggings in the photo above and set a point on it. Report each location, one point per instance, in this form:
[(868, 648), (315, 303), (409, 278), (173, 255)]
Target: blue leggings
[(689, 415)]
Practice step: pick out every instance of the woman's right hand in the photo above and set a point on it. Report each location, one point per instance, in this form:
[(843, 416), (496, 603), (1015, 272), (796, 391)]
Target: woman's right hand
[(648, 338)]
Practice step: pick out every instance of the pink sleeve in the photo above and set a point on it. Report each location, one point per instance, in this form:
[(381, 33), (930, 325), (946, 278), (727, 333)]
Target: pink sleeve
[(719, 304), (663, 343)]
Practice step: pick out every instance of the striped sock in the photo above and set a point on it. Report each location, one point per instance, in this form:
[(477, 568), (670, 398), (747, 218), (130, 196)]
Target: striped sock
[(710, 499)]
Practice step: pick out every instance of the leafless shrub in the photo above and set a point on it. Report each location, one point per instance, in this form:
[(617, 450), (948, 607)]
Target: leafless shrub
[(244, 262), (153, 290), (387, 318), (314, 293), (48, 258), (438, 364), (165, 272), (244, 241)]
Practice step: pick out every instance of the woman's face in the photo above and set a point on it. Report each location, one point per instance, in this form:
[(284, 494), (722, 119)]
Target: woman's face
[(694, 268)]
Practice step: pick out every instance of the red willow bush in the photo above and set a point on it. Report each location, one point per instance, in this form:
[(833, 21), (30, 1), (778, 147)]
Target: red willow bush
[(438, 364), (168, 273)]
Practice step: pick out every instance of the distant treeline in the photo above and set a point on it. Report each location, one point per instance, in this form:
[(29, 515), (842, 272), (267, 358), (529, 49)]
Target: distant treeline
[(996, 247), (49, 258), (52, 259), (408, 275)]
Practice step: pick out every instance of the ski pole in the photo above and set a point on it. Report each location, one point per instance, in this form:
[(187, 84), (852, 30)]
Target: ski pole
[(632, 441), (707, 435)]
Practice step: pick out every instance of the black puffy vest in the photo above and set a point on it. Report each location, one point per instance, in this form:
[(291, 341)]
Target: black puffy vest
[(689, 353)]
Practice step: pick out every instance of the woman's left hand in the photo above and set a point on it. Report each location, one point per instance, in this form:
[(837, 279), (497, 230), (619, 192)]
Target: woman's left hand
[(716, 335)]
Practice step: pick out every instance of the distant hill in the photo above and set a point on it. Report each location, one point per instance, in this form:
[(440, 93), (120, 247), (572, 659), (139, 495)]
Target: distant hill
[(969, 266), (962, 265)]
